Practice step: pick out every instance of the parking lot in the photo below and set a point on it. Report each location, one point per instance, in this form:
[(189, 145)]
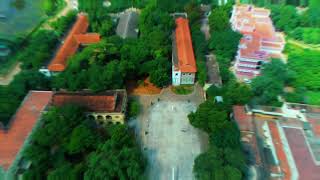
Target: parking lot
[(170, 143)]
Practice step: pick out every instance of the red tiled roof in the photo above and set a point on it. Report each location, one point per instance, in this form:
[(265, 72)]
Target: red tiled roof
[(88, 38), (75, 37), (11, 140), (243, 120), (306, 167), (315, 126), (281, 154), (92, 102), (187, 62)]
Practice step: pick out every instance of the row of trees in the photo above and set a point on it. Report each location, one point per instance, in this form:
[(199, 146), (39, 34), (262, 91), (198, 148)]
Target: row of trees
[(69, 146), (225, 157)]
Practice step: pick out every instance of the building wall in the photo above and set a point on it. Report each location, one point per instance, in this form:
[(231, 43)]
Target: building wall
[(176, 77), (107, 118), (187, 78)]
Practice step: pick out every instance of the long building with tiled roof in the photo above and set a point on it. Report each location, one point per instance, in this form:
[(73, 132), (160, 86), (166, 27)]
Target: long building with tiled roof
[(105, 107), (15, 134), (260, 41), (184, 65), (77, 36)]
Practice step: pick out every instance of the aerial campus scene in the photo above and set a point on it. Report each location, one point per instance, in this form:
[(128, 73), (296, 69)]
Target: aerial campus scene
[(159, 89)]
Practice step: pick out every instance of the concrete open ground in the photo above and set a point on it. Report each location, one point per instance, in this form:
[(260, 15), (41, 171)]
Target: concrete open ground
[(168, 140)]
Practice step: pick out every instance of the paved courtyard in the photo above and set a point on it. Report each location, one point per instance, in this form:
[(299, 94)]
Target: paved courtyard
[(170, 143)]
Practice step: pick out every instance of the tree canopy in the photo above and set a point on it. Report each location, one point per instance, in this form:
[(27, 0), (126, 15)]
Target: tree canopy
[(70, 145)]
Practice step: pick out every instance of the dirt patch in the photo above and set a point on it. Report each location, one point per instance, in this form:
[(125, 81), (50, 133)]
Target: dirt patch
[(143, 88)]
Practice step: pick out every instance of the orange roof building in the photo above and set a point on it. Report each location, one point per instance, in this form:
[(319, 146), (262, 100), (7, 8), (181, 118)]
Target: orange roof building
[(260, 41), (13, 137), (183, 59), (105, 107), (78, 35)]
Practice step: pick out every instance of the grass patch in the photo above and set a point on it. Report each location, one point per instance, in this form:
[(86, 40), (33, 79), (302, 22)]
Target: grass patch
[(182, 89), (313, 97)]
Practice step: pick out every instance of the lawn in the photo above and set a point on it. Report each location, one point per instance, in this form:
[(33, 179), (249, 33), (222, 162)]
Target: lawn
[(183, 89)]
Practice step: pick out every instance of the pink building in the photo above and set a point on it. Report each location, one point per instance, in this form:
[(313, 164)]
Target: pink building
[(260, 41)]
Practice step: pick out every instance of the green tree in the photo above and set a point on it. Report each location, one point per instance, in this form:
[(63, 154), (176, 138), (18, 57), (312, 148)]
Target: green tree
[(82, 138), (218, 20)]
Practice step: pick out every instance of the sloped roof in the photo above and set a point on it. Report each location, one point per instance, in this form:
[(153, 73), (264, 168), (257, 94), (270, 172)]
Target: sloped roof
[(128, 24), (22, 123), (243, 120), (186, 59), (72, 42), (101, 102)]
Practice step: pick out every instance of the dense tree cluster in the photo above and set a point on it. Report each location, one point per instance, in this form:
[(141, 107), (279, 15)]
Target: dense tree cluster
[(302, 25), (224, 157), (305, 64), (268, 86), (69, 146)]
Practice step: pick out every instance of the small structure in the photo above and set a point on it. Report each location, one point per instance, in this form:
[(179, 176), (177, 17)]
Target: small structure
[(15, 135), (128, 25), (77, 36), (105, 107), (218, 99), (183, 61)]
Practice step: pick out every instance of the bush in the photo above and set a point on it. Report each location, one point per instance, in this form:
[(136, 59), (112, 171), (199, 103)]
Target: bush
[(133, 108)]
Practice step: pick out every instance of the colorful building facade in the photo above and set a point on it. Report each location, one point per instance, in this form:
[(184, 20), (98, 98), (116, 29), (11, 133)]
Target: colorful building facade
[(183, 61), (260, 42)]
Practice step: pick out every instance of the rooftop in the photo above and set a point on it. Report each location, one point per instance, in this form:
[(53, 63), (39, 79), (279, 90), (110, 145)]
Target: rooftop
[(13, 137), (108, 101), (128, 24), (243, 120), (294, 142), (75, 38), (185, 54)]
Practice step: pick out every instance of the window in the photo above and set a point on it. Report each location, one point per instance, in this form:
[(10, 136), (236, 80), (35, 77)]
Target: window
[(176, 74)]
